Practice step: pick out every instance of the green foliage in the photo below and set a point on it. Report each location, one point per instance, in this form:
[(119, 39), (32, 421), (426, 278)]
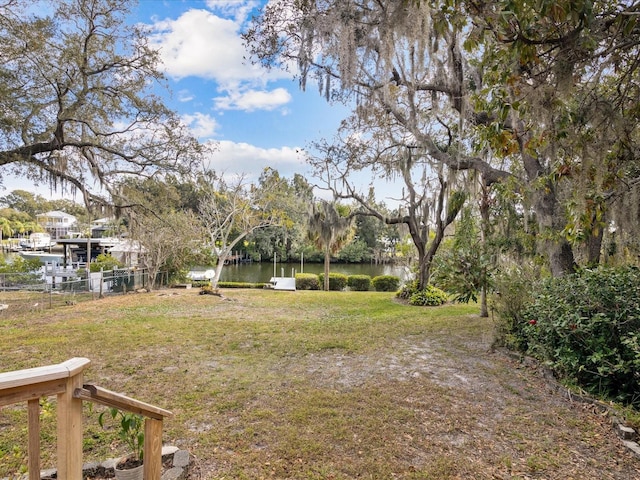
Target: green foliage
[(359, 283), (19, 264), (461, 268), (307, 281), (586, 326), (207, 290), (385, 283), (337, 281), (19, 271), (512, 293), (429, 296), (355, 252), (105, 262), (240, 285), (130, 429)]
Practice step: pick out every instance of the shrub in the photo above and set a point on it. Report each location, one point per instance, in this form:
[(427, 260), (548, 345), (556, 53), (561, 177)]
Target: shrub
[(512, 294), (359, 283), (407, 290), (307, 281), (586, 326), (429, 296), (105, 262), (337, 281), (385, 283), (240, 285), (207, 290)]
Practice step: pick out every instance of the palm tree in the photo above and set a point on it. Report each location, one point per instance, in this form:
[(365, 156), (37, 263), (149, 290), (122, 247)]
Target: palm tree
[(329, 231)]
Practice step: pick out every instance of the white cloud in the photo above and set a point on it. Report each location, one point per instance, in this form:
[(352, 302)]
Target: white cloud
[(251, 100), (201, 125), (239, 9), (242, 158), (202, 44), (185, 96)]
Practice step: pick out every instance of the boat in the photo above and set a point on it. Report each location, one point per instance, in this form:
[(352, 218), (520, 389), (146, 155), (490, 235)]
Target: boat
[(201, 275), (44, 257), (37, 241)]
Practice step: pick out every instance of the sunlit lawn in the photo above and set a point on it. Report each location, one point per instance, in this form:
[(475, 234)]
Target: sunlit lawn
[(267, 384)]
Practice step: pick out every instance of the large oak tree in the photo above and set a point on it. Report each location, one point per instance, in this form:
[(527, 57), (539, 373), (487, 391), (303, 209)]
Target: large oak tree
[(519, 90), (78, 102)]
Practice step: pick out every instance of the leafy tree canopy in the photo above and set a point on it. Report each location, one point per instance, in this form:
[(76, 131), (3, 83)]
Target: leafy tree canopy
[(77, 104)]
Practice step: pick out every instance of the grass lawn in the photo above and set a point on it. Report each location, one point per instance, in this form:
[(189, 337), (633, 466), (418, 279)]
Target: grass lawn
[(312, 385)]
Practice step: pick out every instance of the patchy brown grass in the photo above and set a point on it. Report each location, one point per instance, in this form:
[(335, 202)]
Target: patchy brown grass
[(314, 385)]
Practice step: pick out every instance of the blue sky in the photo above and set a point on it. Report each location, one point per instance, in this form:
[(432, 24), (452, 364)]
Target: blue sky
[(257, 118)]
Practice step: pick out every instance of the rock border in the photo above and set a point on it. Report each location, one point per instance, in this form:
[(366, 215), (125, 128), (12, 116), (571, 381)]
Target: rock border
[(176, 466)]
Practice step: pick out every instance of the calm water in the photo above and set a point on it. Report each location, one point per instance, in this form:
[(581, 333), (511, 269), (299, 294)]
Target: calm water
[(262, 272)]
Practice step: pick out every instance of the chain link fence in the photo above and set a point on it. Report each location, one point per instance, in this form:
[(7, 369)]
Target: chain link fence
[(28, 292)]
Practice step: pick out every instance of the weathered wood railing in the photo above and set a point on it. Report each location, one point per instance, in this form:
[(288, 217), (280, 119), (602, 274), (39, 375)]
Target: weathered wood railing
[(66, 381)]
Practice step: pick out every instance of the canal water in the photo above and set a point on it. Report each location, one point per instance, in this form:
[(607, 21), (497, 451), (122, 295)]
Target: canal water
[(262, 272)]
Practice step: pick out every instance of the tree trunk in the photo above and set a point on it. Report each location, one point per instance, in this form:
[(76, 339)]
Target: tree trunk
[(424, 271), (551, 223), (594, 247), (484, 235), (327, 262), (218, 273)]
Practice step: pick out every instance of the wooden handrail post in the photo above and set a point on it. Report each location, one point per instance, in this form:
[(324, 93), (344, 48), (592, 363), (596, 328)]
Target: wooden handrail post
[(66, 381), (152, 424), (152, 449), (70, 426), (33, 422)]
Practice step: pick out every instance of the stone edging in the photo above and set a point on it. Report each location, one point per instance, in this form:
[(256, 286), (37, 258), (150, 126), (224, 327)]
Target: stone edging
[(176, 462)]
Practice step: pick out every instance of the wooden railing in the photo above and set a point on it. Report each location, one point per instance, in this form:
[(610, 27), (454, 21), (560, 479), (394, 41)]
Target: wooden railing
[(66, 381)]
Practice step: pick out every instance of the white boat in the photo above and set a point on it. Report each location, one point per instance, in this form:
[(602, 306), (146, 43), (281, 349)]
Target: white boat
[(44, 257), (37, 241), (201, 275)]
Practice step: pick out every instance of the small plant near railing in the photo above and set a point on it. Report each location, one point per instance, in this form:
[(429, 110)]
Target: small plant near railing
[(130, 429)]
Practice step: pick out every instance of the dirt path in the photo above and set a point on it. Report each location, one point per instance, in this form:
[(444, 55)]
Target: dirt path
[(471, 414)]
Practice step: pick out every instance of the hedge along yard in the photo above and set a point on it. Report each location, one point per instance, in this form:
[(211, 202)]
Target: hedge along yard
[(313, 385)]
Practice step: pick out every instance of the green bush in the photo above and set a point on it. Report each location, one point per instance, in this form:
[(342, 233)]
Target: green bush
[(407, 290), (385, 283), (307, 281), (105, 262), (240, 285), (586, 326), (429, 296), (359, 283), (513, 291), (337, 281)]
